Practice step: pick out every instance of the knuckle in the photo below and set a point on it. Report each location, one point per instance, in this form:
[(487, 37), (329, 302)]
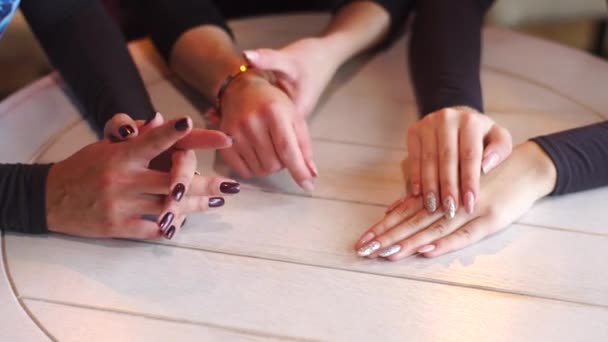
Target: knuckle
[(447, 154), (468, 154), (428, 156), (439, 229), (466, 234)]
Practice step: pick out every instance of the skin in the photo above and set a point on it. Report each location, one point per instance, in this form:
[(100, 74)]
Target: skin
[(505, 194)]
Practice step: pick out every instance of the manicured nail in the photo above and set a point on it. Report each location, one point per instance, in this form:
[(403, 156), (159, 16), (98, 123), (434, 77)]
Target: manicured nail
[(216, 202), (178, 192), (430, 202), (170, 232), (197, 173), (450, 207), (390, 251), (415, 189), (469, 202), (182, 124), (489, 162), (426, 249), (250, 55), (125, 131), (369, 249), (230, 188), (166, 221), (367, 238), (307, 185)]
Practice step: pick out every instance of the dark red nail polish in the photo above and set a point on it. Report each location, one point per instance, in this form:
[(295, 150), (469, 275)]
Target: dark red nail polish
[(215, 202), (166, 221), (178, 192), (125, 131), (170, 232), (230, 188), (182, 125)]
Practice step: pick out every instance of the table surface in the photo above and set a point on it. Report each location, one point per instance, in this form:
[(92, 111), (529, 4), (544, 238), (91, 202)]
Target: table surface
[(276, 264)]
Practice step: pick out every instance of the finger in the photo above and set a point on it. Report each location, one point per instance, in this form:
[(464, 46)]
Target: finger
[(394, 205), (466, 235), (149, 181), (236, 162), (182, 172), (402, 212), (213, 186), (447, 140), (156, 121), (144, 204), (303, 138), (203, 139), (498, 147), (272, 60), (286, 146), (428, 168), (401, 231), (419, 242), (139, 229), (120, 127), (413, 154), (170, 232), (256, 132), (470, 143), (152, 143)]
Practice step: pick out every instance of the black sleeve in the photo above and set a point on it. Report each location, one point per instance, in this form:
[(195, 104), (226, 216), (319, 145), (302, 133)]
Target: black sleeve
[(398, 11), (89, 51), (23, 198), (445, 53), (580, 157), (169, 19)]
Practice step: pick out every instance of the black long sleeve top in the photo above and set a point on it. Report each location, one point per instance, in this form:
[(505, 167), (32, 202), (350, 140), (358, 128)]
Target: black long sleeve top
[(89, 51)]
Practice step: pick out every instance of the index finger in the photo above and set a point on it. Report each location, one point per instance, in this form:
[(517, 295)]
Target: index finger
[(157, 140), (199, 139)]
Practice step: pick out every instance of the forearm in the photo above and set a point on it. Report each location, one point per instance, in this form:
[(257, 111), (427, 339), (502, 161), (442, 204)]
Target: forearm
[(89, 51), (355, 28), (22, 198), (445, 53)]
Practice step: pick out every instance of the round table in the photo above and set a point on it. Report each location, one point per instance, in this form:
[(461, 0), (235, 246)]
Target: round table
[(275, 264)]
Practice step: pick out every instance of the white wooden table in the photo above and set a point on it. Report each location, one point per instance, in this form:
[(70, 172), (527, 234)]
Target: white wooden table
[(276, 265)]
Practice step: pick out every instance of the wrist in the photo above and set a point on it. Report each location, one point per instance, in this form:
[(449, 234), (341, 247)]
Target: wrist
[(54, 195), (541, 167)]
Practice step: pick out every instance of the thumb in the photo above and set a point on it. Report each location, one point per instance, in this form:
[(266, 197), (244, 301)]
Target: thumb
[(498, 146), (272, 60)]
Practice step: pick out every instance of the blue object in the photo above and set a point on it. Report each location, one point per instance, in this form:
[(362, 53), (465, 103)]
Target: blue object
[(7, 11)]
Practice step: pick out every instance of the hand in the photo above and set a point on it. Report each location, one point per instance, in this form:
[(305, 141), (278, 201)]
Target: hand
[(303, 70), (268, 132), (106, 189), (448, 150), (506, 194)]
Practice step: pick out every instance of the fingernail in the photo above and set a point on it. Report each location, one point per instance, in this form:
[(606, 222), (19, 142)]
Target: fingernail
[(367, 238), (450, 207), (313, 168), (166, 221), (178, 192), (426, 249), (170, 232), (182, 124), (125, 131), (230, 188), (216, 202), (307, 185), (390, 251), (250, 55), (489, 163), (369, 249), (469, 202), (430, 202), (415, 189)]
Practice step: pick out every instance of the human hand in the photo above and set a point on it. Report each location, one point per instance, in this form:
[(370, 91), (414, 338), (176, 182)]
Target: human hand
[(106, 189), (506, 194), (268, 132), (302, 69), (447, 151)]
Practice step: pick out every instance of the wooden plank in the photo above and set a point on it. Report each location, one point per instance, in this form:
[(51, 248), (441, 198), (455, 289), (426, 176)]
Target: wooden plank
[(15, 324), (87, 324), (296, 301)]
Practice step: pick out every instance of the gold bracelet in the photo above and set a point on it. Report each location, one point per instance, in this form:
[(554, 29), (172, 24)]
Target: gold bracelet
[(220, 94)]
